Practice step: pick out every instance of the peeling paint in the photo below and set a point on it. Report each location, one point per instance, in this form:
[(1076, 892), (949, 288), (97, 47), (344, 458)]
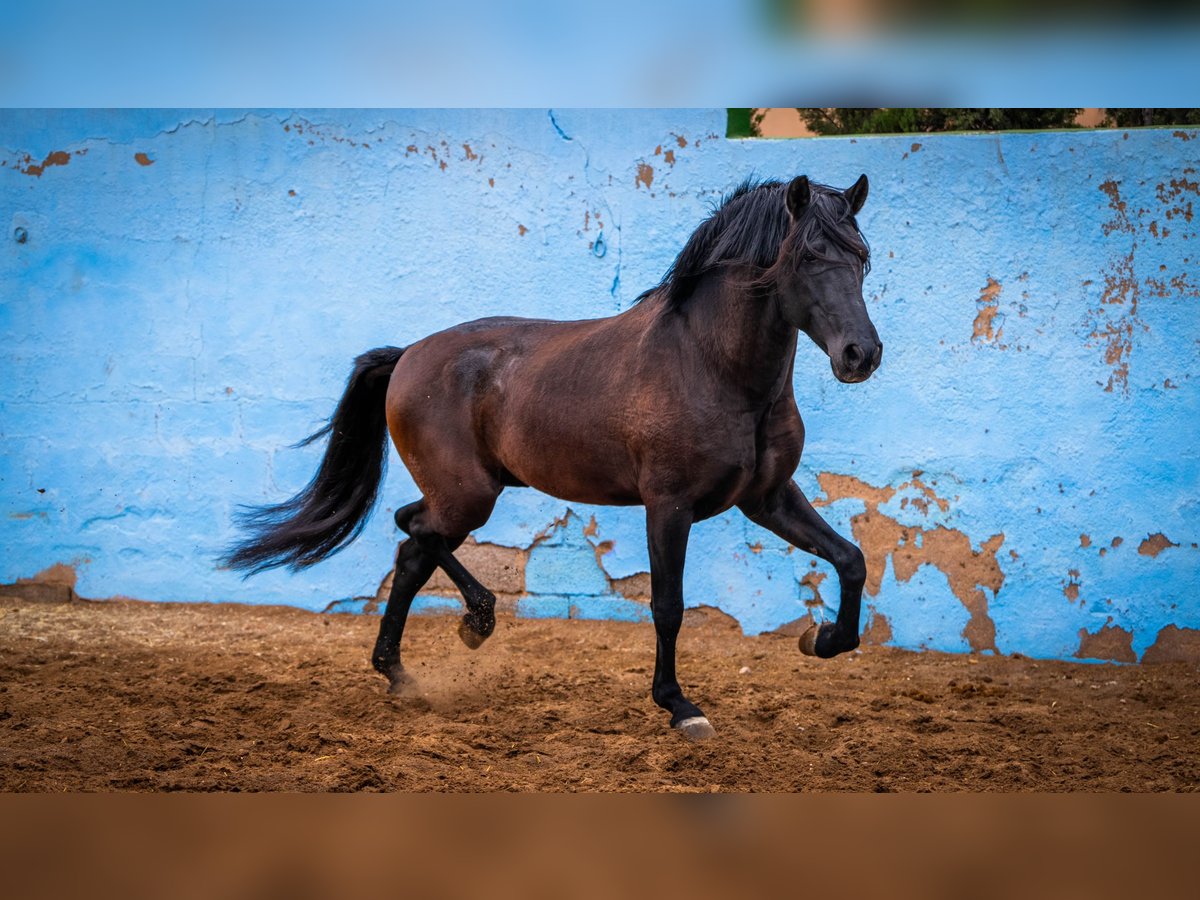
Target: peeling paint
[(968, 571), (986, 329), (54, 584), (1117, 320), (1173, 195), (1174, 644), (1111, 642), (838, 487), (57, 158), (633, 587), (878, 630), (1155, 544), (928, 495), (1072, 585), (812, 581), (1120, 220), (143, 159), (303, 127), (1122, 290), (645, 175), (60, 573)]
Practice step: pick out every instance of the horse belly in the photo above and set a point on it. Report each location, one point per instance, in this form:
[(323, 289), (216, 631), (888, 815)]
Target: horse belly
[(566, 444), (576, 466)]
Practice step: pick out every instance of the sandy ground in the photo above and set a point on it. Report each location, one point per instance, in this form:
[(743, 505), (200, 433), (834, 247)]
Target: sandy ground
[(138, 697)]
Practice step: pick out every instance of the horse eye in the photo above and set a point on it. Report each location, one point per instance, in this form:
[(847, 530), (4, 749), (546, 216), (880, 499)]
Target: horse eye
[(807, 258)]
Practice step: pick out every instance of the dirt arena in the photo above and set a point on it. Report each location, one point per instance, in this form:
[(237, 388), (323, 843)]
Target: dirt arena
[(131, 696)]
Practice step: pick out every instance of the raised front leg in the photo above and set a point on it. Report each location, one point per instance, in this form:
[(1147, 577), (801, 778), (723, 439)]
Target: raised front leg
[(789, 514), (667, 528)]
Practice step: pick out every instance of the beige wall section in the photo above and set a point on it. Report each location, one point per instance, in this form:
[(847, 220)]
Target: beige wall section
[(781, 122)]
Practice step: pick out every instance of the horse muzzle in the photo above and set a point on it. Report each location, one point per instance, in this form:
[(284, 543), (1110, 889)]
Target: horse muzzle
[(856, 361)]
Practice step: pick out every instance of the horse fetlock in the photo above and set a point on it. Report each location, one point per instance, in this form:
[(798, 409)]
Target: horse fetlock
[(482, 601), (390, 667), (384, 663), (481, 618), (838, 642), (667, 698)]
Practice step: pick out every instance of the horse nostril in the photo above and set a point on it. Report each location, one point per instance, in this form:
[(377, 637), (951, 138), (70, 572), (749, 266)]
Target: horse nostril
[(875, 360), (852, 356)]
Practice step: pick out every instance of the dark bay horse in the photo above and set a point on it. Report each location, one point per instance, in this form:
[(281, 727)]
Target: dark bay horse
[(683, 404)]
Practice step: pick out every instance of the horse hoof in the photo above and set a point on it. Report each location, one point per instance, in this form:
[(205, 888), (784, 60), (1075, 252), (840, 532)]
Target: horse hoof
[(808, 641), (826, 641), (696, 728), (470, 636)]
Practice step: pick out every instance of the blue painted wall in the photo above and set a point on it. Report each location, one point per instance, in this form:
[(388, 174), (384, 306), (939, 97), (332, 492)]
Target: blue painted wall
[(181, 294)]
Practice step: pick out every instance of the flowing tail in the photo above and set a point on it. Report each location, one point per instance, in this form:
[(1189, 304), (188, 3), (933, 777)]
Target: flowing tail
[(331, 511)]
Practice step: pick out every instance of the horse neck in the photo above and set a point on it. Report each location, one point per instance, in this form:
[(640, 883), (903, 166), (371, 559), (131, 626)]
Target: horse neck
[(743, 335)]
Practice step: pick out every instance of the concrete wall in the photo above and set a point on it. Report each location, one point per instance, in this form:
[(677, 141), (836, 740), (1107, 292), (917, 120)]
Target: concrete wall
[(181, 294)]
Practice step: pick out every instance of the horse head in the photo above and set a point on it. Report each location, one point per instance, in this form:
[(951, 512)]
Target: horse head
[(819, 276)]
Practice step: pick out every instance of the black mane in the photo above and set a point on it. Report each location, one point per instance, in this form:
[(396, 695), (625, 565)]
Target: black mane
[(749, 227)]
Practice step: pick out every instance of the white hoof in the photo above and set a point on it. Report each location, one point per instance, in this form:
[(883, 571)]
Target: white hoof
[(696, 728)]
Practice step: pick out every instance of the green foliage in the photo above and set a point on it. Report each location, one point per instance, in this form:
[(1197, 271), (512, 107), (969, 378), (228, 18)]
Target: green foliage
[(740, 123), (1133, 118), (904, 120)]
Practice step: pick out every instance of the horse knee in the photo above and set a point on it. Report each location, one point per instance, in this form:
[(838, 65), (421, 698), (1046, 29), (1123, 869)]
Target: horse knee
[(851, 565)]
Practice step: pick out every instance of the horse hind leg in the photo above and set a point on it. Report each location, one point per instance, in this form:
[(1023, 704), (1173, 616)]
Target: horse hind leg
[(413, 568), (479, 621)]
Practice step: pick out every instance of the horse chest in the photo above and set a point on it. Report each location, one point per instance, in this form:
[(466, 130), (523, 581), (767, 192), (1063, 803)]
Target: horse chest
[(754, 458), (721, 464)]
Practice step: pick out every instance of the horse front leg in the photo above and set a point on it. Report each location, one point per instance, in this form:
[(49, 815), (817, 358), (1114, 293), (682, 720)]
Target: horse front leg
[(788, 514), (667, 527)]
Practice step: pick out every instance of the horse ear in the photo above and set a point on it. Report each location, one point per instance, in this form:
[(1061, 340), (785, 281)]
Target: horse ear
[(798, 196), (857, 195)]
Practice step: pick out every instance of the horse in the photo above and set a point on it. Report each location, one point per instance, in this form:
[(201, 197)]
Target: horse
[(683, 404)]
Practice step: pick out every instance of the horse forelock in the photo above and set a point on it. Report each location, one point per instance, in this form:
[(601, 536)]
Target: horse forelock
[(750, 226), (829, 216)]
